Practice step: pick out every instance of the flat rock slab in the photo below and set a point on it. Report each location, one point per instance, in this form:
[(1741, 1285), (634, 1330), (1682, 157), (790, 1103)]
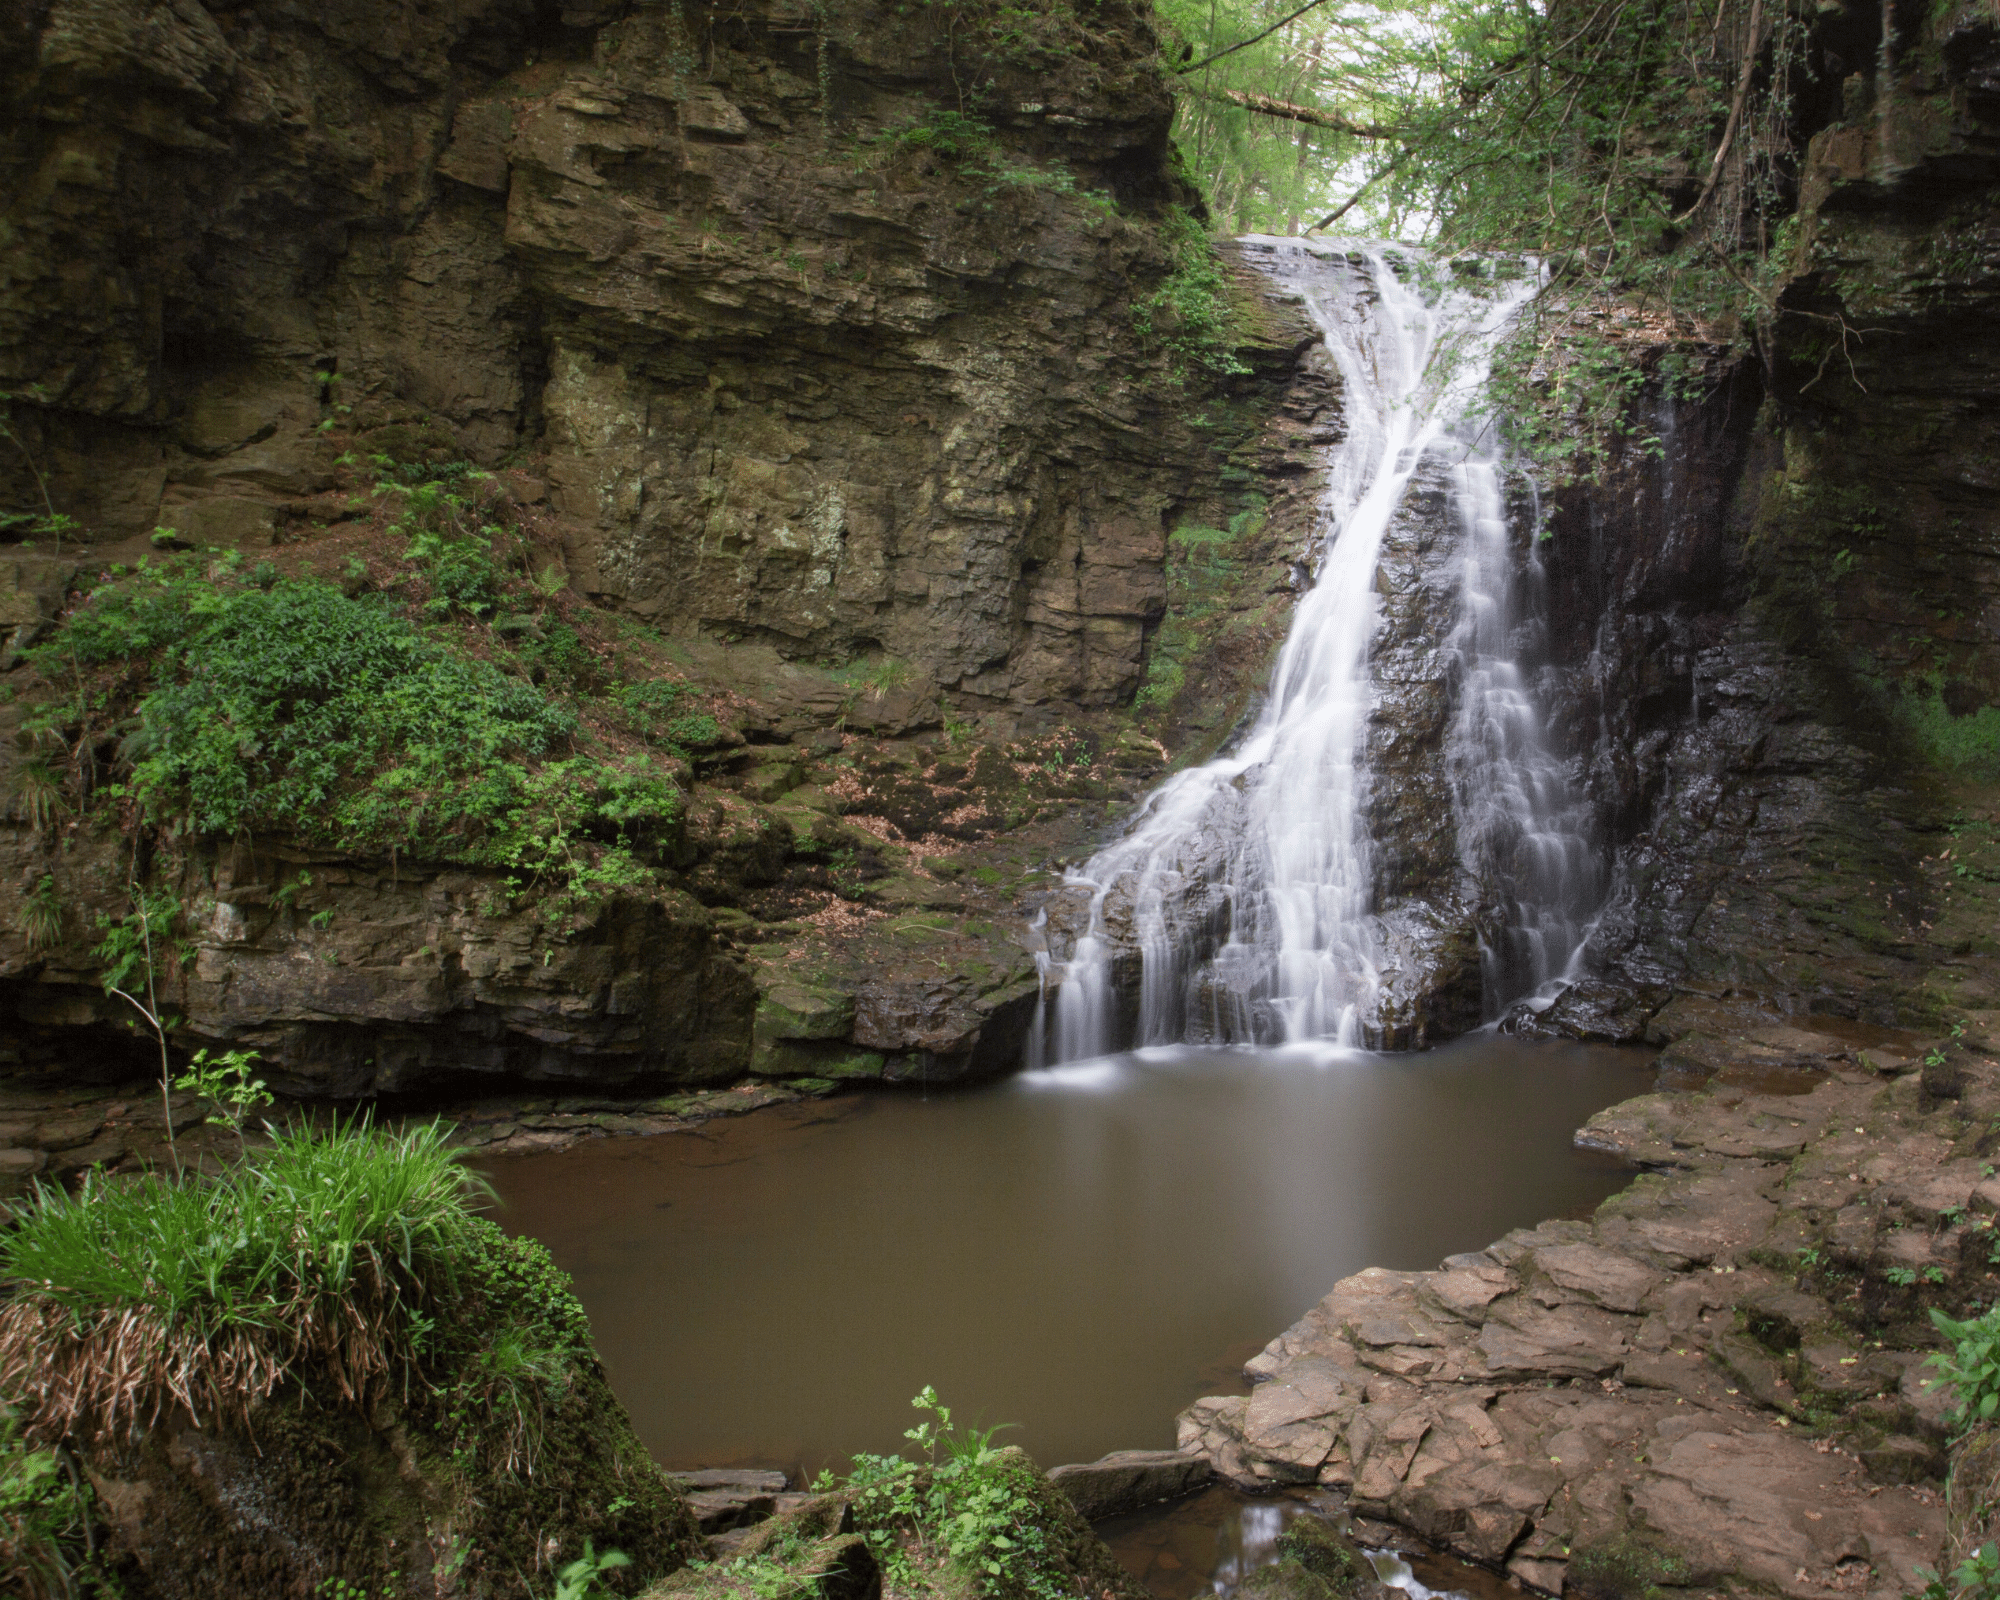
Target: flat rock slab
[(1125, 1480), (1671, 1378), (726, 1498)]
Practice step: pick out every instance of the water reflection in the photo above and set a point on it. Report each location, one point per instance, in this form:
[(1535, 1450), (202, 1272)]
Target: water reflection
[(1081, 1251), (1209, 1543)]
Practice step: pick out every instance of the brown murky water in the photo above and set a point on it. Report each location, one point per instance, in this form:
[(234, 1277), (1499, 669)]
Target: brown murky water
[(1080, 1252)]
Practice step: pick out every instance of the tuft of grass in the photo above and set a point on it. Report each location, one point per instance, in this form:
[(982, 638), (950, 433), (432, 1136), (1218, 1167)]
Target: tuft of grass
[(41, 915), (40, 788), (328, 1254)]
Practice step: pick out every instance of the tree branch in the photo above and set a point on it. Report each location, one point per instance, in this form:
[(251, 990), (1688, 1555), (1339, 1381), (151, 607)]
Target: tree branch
[(1269, 107), (1244, 44), (1354, 199), (1735, 111)]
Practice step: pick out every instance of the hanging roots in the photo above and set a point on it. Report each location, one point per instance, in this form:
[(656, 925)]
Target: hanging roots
[(110, 1372)]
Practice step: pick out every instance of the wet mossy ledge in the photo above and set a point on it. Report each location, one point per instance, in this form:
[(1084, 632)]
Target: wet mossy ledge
[(321, 1372)]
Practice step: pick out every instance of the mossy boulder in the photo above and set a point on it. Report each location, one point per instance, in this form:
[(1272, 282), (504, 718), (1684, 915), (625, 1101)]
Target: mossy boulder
[(314, 1495), (1316, 1561), (1632, 1565), (815, 1547), (1286, 1580), (1323, 1550), (332, 1380)]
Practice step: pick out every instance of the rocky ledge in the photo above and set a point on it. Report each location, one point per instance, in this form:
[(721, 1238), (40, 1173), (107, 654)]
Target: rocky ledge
[(1717, 1381)]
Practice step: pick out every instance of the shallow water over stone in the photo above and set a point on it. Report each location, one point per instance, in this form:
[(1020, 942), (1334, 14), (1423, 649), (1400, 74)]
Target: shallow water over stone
[(1081, 1251)]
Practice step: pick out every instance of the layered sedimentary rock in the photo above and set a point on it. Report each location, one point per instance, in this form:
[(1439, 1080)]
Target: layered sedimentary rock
[(822, 316)]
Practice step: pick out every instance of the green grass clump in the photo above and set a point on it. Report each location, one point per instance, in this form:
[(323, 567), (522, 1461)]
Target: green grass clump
[(327, 1252)]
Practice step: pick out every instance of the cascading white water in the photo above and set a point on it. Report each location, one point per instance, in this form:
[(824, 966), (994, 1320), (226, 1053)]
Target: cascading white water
[(1524, 832), (1246, 885)]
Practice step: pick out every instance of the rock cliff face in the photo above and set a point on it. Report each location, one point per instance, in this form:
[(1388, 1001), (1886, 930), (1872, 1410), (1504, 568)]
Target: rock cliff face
[(805, 337), (1772, 640), (821, 316)]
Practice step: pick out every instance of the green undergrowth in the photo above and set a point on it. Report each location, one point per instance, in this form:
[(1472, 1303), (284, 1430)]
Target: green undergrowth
[(1964, 746), (1970, 1366), (972, 148), (1190, 315), (965, 1519), (451, 709), (47, 1510)]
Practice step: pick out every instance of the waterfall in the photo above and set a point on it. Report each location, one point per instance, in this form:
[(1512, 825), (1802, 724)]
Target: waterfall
[(1243, 891), (1525, 831)]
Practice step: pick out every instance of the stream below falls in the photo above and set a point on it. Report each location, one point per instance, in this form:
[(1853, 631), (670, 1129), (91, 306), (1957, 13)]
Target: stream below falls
[(1080, 1251)]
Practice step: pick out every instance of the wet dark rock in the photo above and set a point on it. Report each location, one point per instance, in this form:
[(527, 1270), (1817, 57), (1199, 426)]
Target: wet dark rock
[(1126, 1480), (1603, 1013)]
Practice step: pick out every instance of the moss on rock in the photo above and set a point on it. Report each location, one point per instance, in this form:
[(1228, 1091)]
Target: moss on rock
[(311, 1496), (1629, 1566), (1320, 1547)]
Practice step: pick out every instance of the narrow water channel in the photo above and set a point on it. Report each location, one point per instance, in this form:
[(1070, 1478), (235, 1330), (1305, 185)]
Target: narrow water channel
[(1080, 1251)]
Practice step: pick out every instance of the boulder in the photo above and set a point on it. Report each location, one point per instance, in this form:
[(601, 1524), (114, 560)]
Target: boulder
[(1128, 1479)]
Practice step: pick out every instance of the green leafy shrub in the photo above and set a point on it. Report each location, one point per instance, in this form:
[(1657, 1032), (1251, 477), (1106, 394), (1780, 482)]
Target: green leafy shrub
[(983, 1508), (46, 1512), (460, 570), (1971, 1367), (301, 709), (1977, 1577), (273, 708)]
